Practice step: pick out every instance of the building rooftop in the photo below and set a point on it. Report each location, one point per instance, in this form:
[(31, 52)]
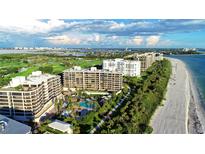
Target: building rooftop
[(37, 78), (121, 60), (10, 126), (34, 79), (92, 69), (61, 126)]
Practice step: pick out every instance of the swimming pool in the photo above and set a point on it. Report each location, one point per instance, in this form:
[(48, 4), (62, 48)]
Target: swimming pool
[(86, 104)]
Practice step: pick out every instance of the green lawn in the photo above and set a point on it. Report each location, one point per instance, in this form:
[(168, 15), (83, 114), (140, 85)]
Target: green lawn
[(86, 63), (6, 63), (33, 62), (25, 73)]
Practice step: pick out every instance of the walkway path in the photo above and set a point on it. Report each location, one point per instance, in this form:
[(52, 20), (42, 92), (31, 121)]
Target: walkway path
[(110, 113)]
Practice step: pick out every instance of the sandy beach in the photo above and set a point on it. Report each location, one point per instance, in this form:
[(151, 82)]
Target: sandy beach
[(180, 112)]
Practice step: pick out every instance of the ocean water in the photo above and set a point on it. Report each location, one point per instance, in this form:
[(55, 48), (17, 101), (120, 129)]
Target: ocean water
[(196, 64)]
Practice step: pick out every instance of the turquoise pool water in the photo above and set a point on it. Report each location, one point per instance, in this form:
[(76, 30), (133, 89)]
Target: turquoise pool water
[(86, 104)]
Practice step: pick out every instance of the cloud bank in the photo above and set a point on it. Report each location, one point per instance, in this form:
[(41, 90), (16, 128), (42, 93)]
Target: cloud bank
[(131, 33), (152, 40)]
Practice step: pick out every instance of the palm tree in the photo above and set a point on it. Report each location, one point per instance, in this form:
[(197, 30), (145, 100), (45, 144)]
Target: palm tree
[(56, 106)]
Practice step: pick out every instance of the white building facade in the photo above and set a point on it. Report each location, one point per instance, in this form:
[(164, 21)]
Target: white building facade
[(26, 99), (159, 56), (126, 67)]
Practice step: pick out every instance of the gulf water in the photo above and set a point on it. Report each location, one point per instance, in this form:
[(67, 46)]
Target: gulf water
[(196, 64)]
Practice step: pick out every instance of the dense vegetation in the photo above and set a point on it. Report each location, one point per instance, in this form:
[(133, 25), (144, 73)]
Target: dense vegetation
[(121, 53), (180, 52), (146, 95), (86, 123)]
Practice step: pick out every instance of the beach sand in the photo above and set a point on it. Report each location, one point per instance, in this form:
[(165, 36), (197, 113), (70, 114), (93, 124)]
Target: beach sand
[(180, 112)]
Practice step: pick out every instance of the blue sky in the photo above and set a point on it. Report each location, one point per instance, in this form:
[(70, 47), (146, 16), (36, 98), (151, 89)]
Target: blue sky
[(102, 33)]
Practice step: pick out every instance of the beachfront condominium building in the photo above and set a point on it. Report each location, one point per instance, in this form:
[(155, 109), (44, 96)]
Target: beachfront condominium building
[(159, 56), (27, 98), (126, 67), (92, 79), (146, 59)]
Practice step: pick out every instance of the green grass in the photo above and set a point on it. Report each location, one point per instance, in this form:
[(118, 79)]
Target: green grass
[(6, 63), (25, 73), (58, 68), (86, 63), (33, 62)]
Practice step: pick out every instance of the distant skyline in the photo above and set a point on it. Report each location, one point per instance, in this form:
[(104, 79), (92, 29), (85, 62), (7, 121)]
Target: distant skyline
[(116, 33)]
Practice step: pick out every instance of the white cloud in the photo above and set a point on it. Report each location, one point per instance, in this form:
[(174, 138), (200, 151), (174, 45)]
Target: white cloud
[(139, 24), (31, 25), (90, 37), (138, 40), (97, 37), (152, 40), (63, 40), (116, 25), (193, 22), (114, 37), (75, 38)]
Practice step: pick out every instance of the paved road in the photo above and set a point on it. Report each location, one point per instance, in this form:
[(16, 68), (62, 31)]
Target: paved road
[(173, 116), (108, 116)]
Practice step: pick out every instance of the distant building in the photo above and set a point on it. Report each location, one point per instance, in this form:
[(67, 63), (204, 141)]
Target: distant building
[(126, 67), (61, 126), (146, 59), (26, 99), (159, 56), (189, 49), (92, 79), (10, 126)]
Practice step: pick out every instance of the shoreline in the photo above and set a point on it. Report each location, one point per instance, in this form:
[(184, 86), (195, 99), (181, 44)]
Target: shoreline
[(196, 116), (181, 112)]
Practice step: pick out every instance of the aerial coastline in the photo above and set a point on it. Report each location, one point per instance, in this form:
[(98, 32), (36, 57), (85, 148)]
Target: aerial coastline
[(103, 76), (196, 120), (181, 112)]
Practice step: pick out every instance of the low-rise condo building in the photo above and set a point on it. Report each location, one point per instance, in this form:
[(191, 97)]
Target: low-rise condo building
[(126, 67), (27, 98), (61, 126), (92, 79)]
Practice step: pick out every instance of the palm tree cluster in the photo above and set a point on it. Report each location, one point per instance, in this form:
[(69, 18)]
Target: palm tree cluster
[(147, 94)]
